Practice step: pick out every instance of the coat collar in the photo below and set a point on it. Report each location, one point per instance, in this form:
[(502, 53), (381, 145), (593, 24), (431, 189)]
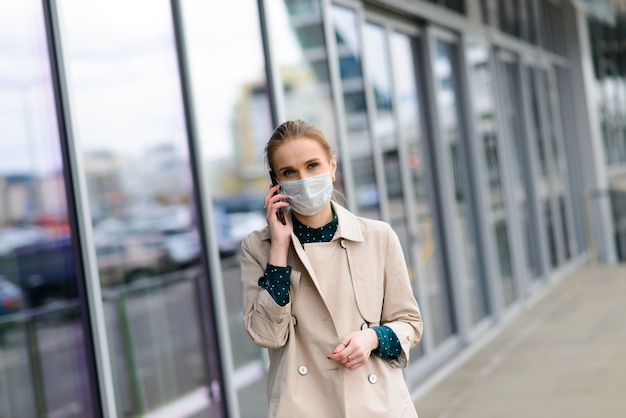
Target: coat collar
[(348, 226)]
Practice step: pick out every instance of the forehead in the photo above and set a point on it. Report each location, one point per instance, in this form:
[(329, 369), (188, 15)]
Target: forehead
[(298, 150)]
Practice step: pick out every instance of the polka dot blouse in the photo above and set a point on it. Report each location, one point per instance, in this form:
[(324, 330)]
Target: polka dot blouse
[(276, 282)]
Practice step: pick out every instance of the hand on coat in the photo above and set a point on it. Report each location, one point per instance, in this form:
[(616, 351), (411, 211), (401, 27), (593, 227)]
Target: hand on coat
[(355, 348)]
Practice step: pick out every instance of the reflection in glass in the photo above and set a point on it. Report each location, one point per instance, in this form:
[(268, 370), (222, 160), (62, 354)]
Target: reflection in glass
[(547, 214), (386, 131), (451, 137), (456, 5), (429, 257), (610, 78), (538, 134), (234, 120), (484, 120), (43, 368), (349, 54), (564, 229), (543, 185), (511, 112), (299, 50), (131, 136), (558, 168), (389, 129)]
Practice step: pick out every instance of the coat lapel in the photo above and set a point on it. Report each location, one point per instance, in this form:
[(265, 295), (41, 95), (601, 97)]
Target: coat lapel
[(367, 293)]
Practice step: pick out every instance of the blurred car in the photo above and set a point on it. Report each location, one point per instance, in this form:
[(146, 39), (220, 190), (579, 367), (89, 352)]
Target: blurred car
[(15, 237), (183, 247), (130, 259), (235, 217), (125, 254), (45, 270), (11, 297), (178, 232)]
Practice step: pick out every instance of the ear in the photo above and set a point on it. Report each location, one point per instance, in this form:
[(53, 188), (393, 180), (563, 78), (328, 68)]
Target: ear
[(333, 167)]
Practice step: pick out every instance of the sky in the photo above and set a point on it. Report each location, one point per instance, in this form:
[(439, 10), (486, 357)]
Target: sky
[(122, 73)]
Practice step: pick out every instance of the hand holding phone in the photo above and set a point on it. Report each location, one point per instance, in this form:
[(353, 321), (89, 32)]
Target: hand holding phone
[(279, 212)]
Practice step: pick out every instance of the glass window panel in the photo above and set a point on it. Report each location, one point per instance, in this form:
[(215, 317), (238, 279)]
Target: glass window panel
[(131, 136), (380, 82), (564, 229), (484, 119), (359, 139), (456, 5), (610, 73), (521, 11), (234, 120), (534, 30), (299, 49), (446, 68), (558, 169), (511, 113), (43, 363), (540, 141), (549, 219), (386, 131), (429, 256), (538, 134), (552, 181)]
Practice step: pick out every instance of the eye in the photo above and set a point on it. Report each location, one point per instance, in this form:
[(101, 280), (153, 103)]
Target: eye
[(313, 165), (287, 172)]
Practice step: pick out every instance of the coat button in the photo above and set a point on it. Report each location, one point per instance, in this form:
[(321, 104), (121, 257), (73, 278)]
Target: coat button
[(303, 370), (372, 378), (364, 326)]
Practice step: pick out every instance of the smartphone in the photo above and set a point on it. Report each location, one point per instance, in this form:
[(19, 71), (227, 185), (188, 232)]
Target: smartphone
[(279, 212)]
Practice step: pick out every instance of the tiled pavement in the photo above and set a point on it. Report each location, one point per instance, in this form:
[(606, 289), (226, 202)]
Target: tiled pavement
[(564, 357)]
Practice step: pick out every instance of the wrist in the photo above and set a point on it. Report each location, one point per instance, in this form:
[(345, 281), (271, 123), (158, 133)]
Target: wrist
[(278, 255), (375, 343)]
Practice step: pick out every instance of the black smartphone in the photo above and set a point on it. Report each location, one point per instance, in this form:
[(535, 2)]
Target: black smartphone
[(279, 212)]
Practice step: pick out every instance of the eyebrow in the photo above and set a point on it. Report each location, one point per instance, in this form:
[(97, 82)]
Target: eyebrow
[(312, 160)]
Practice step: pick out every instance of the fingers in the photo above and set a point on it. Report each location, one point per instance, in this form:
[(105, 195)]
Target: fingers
[(348, 354), (353, 351), (354, 361), (274, 201), (339, 347)]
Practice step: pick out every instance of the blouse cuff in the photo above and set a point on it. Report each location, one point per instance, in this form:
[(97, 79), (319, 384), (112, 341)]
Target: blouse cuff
[(389, 346), (276, 282)]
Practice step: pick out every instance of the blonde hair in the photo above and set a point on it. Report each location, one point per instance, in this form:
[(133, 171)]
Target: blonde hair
[(294, 129)]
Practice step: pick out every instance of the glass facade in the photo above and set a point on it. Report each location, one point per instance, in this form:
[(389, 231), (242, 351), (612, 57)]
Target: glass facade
[(44, 360), (454, 144), (481, 78), (130, 133), (512, 125), (609, 63), (234, 116), (123, 200), (358, 131)]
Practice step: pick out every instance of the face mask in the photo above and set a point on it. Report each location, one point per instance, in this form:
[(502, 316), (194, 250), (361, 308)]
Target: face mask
[(308, 196)]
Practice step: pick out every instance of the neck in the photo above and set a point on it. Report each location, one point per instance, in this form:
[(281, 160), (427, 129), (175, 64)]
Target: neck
[(318, 220)]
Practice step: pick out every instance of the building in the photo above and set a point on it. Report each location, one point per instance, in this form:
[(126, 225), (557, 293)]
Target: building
[(491, 134)]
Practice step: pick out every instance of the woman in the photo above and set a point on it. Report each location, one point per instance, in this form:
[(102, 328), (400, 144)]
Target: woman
[(326, 292)]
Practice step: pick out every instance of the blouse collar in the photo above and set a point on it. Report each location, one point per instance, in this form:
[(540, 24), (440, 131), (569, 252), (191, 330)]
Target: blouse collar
[(306, 234)]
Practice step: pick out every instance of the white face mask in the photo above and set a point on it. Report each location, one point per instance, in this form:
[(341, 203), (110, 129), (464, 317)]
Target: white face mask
[(308, 196)]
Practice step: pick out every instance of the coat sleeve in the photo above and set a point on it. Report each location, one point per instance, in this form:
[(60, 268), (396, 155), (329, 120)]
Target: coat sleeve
[(266, 322), (400, 309)]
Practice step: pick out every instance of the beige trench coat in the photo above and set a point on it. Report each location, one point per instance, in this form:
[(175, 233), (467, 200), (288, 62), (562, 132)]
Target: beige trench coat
[(302, 381)]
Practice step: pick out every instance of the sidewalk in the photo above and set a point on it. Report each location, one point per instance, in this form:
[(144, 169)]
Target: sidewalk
[(564, 357)]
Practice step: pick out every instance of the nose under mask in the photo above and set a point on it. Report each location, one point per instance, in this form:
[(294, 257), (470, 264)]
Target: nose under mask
[(308, 196)]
